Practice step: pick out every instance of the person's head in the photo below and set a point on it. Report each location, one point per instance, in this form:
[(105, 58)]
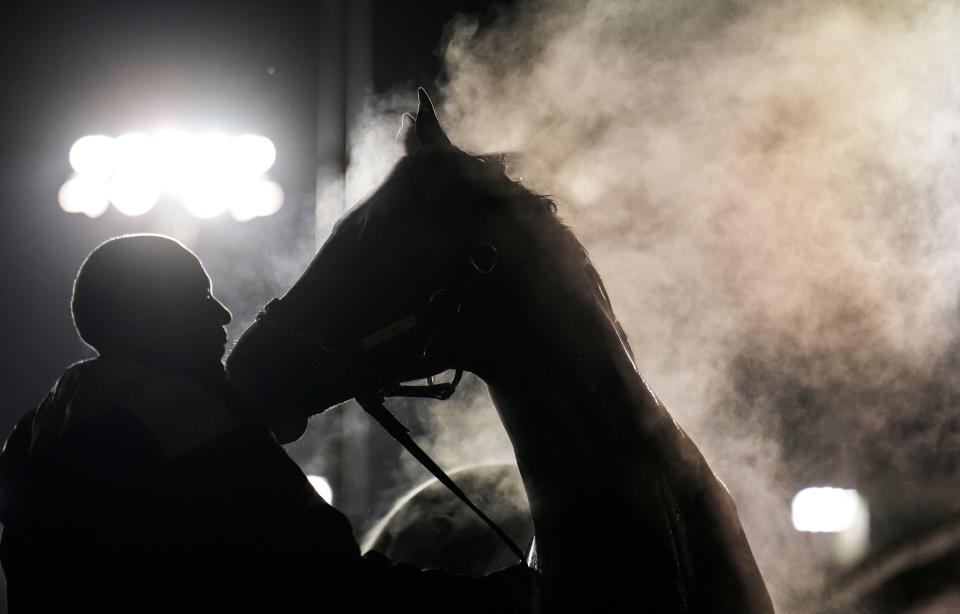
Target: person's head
[(148, 298)]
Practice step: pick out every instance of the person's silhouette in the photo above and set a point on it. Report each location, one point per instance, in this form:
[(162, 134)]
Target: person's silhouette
[(139, 484), (148, 299)]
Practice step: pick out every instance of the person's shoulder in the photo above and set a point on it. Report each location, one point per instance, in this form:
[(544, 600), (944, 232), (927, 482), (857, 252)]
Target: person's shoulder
[(180, 414), (46, 423), (67, 384)]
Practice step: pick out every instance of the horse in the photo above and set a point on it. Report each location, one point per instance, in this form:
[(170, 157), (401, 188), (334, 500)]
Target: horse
[(429, 528), (451, 264)]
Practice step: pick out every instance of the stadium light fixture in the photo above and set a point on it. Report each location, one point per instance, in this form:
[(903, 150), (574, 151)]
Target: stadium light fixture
[(209, 174)]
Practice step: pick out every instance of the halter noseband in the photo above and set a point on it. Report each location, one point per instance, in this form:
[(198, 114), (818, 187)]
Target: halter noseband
[(440, 391)]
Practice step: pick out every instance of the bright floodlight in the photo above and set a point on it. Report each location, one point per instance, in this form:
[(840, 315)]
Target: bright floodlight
[(132, 194), (207, 199), (215, 153), (322, 486), (209, 173), (257, 199), (825, 509), (254, 154), (94, 156), (170, 157), (87, 196)]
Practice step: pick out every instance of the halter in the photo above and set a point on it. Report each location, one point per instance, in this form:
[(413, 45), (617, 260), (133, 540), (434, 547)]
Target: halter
[(483, 261)]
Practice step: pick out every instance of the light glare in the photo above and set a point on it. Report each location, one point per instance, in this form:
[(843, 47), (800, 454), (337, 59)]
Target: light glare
[(825, 509), (131, 194), (254, 154), (210, 173), (94, 156), (322, 486), (133, 153), (171, 159), (258, 199), (81, 195), (207, 199), (214, 153)]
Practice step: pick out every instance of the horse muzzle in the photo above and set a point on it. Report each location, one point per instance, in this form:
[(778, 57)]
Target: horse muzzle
[(281, 383)]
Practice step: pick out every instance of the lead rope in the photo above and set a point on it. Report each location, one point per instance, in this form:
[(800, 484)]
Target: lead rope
[(374, 406)]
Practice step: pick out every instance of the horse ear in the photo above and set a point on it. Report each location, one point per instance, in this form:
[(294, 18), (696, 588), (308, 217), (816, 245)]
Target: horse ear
[(429, 132), (407, 135)]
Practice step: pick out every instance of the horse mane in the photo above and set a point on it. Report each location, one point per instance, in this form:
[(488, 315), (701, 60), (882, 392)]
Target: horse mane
[(541, 210)]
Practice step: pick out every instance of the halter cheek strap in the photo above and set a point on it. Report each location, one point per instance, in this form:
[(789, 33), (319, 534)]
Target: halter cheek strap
[(447, 304)]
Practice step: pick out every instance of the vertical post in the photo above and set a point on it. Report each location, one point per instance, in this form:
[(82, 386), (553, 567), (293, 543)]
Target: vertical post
[(344, 77), (331, 116)]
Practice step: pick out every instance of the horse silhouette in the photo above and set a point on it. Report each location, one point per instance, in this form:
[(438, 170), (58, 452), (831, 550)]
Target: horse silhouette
[(451, 264)]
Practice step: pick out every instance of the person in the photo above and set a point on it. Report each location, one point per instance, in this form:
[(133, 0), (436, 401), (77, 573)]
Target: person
[(140, 483)]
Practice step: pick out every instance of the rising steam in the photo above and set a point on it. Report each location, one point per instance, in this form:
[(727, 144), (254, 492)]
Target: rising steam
[(770, 192)]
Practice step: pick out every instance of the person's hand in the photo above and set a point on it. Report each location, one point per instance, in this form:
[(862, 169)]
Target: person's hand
[(520, 587)]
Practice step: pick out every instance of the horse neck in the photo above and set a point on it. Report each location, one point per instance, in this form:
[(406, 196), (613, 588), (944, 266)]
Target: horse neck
[(617, 491), (567, 390), (572, 402)]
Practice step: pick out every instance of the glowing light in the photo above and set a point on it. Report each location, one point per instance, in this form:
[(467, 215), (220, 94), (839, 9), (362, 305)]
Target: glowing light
[(131, 194), (210, 173), (133, 153), (257, 199), (214, 153), (207, 199), (255, 155), (82, 195), (170, 158), (322, 486), (826, 509), (94, 156)]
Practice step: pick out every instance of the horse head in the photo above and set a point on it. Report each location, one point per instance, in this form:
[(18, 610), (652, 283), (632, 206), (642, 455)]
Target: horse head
[(402, 289)]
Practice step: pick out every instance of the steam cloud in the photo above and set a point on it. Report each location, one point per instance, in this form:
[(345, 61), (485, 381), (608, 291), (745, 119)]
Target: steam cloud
[(769, 190)]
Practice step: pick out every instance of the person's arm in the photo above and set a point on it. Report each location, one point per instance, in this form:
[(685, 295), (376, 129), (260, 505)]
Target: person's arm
[(305, 548)]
